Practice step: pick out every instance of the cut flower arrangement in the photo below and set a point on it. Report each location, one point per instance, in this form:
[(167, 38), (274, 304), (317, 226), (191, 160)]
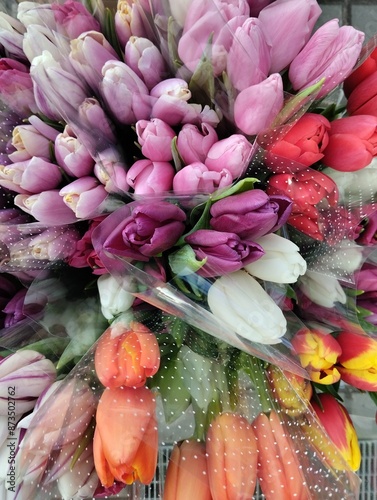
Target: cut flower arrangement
[(187, 233)]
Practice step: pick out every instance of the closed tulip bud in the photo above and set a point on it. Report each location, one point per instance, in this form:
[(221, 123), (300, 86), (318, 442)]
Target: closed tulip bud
[(322, 290), (30, 176), (84, 197), (155, 138), (146, 177), (232, 457), (197, 178), (72, 18), (12, 36), (33, 13), (233, 153), (126, 355), (331, 53), (47, 207), (125, 445), (187, 473), (145, 59), (281, 262), (16, 87), (358, 360), (193, 143), (92, 116), (300, 16), (256, 106), (128, 21), (72, 155), (27, 374), (249, 59), (115, 295), (39, 39), (339, 428), (29, 141), (111, 171), (238, 301), (319, 352)]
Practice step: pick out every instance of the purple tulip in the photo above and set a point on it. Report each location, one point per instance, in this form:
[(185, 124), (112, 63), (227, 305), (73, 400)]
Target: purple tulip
[(84, 197), (142, 230), (256, 107), (72, 18), (30, 176), (14, 310), (249, 57), (145, 59), (8, 288), (193, 143), (197, 178), (53, 244), (47, 207), (368, 234), (16, 87), (125, 94), (366, 278), (12, 37), (233, 153), (223, 252), (250, 214), (257, 5), (111, 171), (71, 155), (288, 25), (147, 177), (331, 53), (155, 138)]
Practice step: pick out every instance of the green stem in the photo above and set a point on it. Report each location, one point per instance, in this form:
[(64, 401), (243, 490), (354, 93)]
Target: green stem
[(254, 367)]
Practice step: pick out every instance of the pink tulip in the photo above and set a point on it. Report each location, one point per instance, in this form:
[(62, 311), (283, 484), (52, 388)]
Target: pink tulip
[(147, 177), (16, 87), (146, 60), (12, 37), (29, 142), (72, 155), (47, 207), (92, 118), (128, 21), (256, 107), (197, 178), (53, 245), (72, 18), (233, 153), (155, 137), (257, 5), (331, 53), (111, 171), (249, 59), (30, 176), (84, 197), (194, 142), (288, 25)]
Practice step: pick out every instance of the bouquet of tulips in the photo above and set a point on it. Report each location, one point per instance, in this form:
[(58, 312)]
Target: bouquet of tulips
[(187, 233)]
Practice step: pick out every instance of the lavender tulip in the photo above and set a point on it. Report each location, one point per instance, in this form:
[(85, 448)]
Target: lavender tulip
[(14, 310), (146, 60), (29, 142), (146, 177), (250, 214), (28, 373), (288, 25), (193, 143), (39, 39), (233, 153), (249, 59), (221, 252), (33, 13), (197, 178), (71, 155), (256, 107), (331, 53), (53, 244), (30, 176), (84, 197), (72, 18), (16, 87), (155, 138), (128, 21), (47, 207), (12, 37), (125, 94), (143, 230), (95, 127), (111, 171)]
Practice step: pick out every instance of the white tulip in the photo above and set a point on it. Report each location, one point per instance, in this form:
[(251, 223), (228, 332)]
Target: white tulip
[(281, 263), (114, 297), (240, 302), (322, 289)]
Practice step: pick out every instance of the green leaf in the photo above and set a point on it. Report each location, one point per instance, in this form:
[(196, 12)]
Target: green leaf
[(51, 347), (239, 187), (184, 262), (178, 163), (173, 33), (177, 328), (373, 396), (202, 82)]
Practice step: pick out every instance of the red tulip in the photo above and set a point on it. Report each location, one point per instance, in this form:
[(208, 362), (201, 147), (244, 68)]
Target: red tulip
[(232, 457), (361, 73)]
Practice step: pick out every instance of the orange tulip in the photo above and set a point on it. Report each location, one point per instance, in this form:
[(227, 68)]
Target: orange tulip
[(126, 356), (125, 440), (279, 471), (187, 475), (232, 458)]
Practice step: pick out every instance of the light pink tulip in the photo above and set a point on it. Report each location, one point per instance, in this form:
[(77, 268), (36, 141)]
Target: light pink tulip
[(28, 142), (47, 207), (84, 197), (194, 142), (16, 87), (331, 53), (249, 58), (145, 59), (72, 155), (72, 18), (30, 176), (111, 171), (147, 176), (12, 37), (33, 13), (233, 153), (256, 107), (93, 119), (155, 137), (288, 25), (54, 245), (128, 21), (197, 178)]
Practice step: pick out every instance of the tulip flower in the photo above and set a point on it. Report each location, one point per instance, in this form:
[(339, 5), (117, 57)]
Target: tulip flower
[(288, 25), (125, 443), (24, 375), (187, 473), (280, 474), (319, 352), (30, 176), (34, 13), (233, 153), (47, 207), (193, 143), (281, 261), (155, 138), (331, 53), (256, 106), (339, 428), (84, 197), (240, 303), (92, 115), (111, 171), (128, 21), (144, 232), (115, 295), (72, 18), (146, 60), (250, 214), (363, 99), (126, 355), (358, 360), (197, 178), (12, 36), (147, 176), (322, 290), (16, 87), (232, 457), (30, 140), (72, 155)]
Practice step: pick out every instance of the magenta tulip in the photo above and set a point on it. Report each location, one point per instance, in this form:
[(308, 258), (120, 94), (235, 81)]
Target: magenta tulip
[(146, 177), (72, 18), (194, 142)]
